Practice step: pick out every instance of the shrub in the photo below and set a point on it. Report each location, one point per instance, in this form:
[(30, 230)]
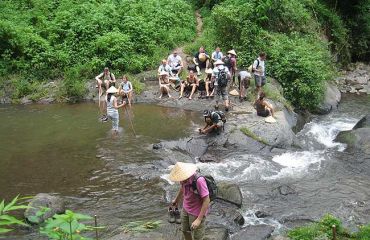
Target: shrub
[(363, 233)]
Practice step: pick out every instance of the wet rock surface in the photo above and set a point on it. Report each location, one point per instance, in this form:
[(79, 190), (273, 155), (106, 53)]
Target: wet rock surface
[(331, 100), (42, 200), (355, 80), (254, 232)]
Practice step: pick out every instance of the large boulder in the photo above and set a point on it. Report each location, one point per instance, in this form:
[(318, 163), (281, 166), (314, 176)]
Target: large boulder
[(356, 140), (230, 192), (254, 232), (363, 123), (41, 201), (331, 100)]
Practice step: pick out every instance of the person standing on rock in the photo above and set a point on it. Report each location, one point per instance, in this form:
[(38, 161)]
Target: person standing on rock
[(175, 62), (259, 71), (201, 60), (233, 68), (195, 203), (244, 79), (112, 107), (221, 76)]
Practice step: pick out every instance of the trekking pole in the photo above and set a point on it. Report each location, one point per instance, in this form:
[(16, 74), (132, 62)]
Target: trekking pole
[(132, 126), (96, 227)]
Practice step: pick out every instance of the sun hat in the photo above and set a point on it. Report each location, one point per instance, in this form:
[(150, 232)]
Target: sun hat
[(182, 171), (112, 89), (202, 57), (209, 71), (232, 52), (163, 73), (234, 92), (219, 62), (270, 119)]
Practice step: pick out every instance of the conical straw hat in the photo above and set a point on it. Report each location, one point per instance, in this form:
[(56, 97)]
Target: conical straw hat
[(270, 119), (182, 171), (232, 52), (234, 92), (112, 89)]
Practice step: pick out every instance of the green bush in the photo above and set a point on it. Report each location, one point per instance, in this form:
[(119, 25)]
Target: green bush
[(363, 233)]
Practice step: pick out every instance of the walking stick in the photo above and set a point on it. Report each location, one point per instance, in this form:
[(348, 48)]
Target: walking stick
[(132, 126)]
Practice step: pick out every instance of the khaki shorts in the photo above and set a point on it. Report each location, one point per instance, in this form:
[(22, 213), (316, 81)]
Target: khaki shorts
[(187, 220)]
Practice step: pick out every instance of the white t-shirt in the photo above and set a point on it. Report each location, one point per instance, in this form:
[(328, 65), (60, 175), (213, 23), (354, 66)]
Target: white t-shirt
[(217, 55), (174, 61), (261, 66), (216, 70)]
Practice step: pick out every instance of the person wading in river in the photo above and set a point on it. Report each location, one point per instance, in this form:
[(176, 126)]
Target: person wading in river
[(195, 205), (112, 107)]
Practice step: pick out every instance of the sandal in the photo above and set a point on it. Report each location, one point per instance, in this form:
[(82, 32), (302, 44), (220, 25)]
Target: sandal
[(171, 215), (177, 214)]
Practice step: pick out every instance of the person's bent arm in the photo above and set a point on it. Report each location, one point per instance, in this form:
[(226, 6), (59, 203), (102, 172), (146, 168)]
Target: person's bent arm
[(195, 61), (270, 107), (97, 78), (178, 197), (203, 210), (113, 77)]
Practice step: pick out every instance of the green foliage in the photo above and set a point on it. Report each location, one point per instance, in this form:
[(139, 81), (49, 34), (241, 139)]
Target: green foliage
[(289, 32), (252, 135), (66, 226), (6, 220), (141, 226), (363, 233), (321, 230), (46, 39)]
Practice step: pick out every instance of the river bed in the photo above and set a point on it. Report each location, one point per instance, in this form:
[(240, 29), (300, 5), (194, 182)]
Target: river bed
[(65, 150)]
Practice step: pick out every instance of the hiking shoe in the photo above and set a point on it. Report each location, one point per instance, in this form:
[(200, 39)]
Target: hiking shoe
[(226, 109), (177, 214), (104, 119), (171, 215)]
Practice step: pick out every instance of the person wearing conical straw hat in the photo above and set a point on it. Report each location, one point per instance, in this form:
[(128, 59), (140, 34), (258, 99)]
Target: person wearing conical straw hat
[(233, 68), (195, 206), (112, 107)]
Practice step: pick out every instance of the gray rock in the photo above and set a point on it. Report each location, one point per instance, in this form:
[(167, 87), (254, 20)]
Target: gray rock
[(230, 192), (293, 221), (261, 214), (42, 200), (209, 158), (363, 123), (47, 100), (25, 101), (331, 100), (254, 232), (356, 140), (157, 146), (353, 90), (279, 237), (358, 87)]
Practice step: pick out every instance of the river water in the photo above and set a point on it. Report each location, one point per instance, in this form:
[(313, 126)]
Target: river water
[(64, 150)]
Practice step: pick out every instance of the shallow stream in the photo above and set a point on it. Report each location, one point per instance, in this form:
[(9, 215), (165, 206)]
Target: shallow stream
[(65, 150)]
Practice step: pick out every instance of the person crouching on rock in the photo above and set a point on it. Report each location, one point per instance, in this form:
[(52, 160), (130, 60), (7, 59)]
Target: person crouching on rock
[(264, 109), (214, 121), (195, 203), (164, 84), (112, 107)]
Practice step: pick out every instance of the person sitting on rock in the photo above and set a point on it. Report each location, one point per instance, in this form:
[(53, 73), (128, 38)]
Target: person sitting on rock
[(264, 109), (209, 83), (189, 85), (201, 60), (175, 62), (164, 67), (106, 79), (164, 84), (125, 90), (217, 55), (214, 121), (244, 79)]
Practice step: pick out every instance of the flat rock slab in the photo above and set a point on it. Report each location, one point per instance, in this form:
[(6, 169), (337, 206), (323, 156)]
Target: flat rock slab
[(254, 232)]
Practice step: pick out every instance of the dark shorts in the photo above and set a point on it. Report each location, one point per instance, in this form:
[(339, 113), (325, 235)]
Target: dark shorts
[(222, 92), (264, 113), (259, 81)]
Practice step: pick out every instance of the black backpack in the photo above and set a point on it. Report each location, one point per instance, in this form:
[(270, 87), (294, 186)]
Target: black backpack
[(222, 78), (222, 116), (211, 185), (227, 62)]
